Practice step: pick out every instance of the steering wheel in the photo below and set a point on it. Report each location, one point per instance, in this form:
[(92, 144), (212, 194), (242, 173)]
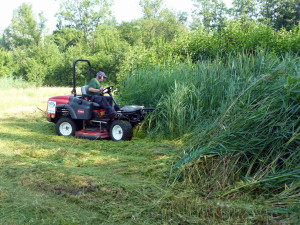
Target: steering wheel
[(107, 89)]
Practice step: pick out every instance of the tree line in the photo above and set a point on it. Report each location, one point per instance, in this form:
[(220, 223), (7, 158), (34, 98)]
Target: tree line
[(88, 29)]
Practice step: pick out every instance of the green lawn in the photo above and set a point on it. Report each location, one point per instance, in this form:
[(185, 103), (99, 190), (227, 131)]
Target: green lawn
[(47, 179)]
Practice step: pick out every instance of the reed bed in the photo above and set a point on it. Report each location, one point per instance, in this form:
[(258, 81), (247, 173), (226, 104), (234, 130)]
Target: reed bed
[(190, 96), (242, 111)]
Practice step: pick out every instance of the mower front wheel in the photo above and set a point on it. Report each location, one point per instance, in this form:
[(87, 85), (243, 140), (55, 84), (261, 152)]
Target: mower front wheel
[(65, 127), (121, 130)]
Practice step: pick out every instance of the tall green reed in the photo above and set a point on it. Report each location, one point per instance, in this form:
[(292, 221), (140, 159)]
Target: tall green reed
[(258, 134), (189, 96), (241, 111)]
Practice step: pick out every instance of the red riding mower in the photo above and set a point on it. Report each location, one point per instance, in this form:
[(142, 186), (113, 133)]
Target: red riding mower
[(77, 115)]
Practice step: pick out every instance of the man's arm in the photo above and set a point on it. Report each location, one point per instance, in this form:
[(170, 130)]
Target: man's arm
[(96, 90)]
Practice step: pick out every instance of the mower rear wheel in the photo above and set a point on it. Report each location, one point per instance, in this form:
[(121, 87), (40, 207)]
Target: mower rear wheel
[(121, 130), (65, 127)]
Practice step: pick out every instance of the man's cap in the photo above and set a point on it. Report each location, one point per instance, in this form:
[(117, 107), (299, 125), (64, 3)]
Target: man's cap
[(101, 74)]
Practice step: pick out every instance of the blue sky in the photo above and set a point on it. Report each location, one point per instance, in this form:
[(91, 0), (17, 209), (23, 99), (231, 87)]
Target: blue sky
[(124, 10)]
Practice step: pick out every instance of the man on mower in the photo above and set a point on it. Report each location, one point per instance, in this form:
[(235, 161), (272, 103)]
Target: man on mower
[(95, 89)]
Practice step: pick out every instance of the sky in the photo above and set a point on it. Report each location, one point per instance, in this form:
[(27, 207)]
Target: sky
[(124, 10)]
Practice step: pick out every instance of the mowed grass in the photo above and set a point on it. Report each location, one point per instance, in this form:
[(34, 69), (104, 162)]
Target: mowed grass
[(47, 179)]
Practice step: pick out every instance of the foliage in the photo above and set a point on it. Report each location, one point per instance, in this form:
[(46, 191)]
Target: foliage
[(149, 31), (83, 15), (151, 8), (24, 30), (280, 13), (108, 50), (141, 58), (244, 9), (277, 13), (210, 14), (6, 63), (236, 37), (67, 37), (38, 62), (159, 38)]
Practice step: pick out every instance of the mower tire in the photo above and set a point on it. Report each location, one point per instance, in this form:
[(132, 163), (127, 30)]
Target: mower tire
[(121, 130), (65, 127)]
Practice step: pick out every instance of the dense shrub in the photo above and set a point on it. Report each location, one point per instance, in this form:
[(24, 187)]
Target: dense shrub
[(237, 37), (38, 62)]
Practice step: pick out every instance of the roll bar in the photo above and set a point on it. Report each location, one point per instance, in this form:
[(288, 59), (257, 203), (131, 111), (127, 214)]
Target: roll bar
[(74, 72)]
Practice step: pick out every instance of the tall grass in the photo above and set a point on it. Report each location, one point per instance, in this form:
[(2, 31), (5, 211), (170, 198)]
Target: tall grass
[(188, 96), (241, 121), (10, 82), (260, 127)]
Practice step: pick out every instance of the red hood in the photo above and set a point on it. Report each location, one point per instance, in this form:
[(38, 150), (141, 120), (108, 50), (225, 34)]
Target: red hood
[(60, 99)]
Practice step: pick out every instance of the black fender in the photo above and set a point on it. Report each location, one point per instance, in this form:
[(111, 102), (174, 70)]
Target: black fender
[(71, 111), (78, 108)]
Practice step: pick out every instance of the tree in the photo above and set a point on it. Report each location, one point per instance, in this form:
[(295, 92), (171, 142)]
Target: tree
[(182, 17), (67, 37), (148, 31), (244, 9), (109, 50), (151, 8), (24, 30), (280, 13), (130, 31), (158, 24), (209, 13), (84, 15), (155, 9)]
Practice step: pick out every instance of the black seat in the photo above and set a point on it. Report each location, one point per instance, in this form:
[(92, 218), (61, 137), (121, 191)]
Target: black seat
[(84, 89), (88, 97)]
